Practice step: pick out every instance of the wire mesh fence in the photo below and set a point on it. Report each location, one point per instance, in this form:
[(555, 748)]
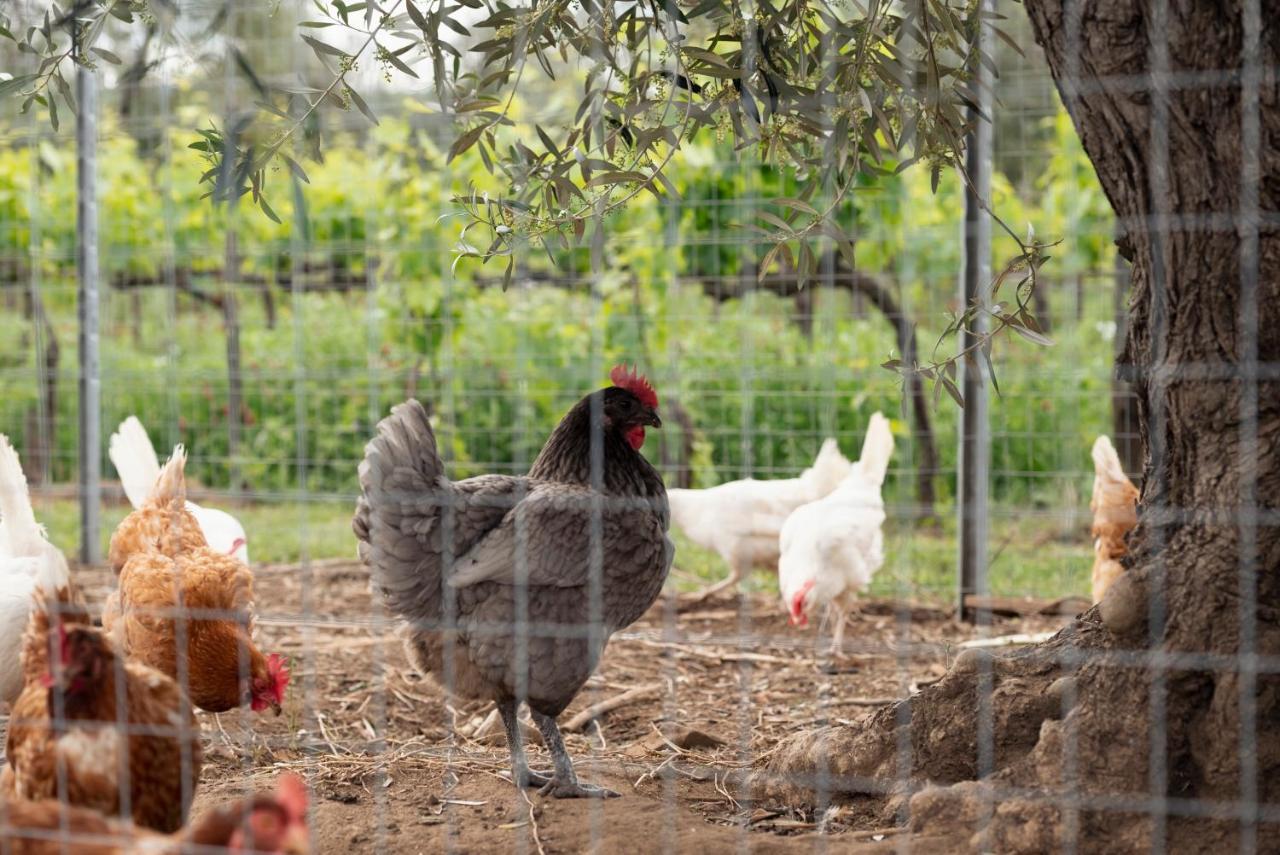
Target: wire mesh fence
[(271, 350)]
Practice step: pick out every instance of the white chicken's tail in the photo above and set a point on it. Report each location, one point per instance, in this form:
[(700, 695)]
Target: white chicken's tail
[(135, 460), (682, 503), (829, 468), (1106, 463), (22, 533), (693, 514), (170, 485), (877, 448)]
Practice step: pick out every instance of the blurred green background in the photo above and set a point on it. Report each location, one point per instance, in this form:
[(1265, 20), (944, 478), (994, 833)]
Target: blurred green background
[(354, 302)]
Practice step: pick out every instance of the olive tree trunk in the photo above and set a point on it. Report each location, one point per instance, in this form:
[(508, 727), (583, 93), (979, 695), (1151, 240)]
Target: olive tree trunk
[(1147, 723)]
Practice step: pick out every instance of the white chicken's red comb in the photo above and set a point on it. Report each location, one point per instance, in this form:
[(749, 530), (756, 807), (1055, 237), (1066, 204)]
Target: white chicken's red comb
[(635, 383)]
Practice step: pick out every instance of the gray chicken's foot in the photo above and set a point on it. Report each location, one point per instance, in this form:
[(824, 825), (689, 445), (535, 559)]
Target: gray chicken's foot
[(576, 790), (564, 784), (531, 779), (523, 777)]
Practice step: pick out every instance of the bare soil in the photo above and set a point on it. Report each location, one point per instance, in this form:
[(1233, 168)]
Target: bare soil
[(396, 767)]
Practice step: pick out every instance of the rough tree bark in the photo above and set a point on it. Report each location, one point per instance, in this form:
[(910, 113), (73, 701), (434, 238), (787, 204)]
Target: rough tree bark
[(1145, 724), (1124, 406)]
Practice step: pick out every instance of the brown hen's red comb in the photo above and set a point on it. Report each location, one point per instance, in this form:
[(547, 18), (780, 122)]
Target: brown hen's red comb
[(635, 383), (279, 670)]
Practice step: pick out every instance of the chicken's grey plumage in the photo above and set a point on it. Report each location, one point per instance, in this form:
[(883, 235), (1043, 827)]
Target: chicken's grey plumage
[(511, 586)]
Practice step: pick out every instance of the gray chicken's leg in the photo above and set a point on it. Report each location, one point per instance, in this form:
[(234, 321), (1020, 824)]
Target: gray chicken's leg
[(521, 774), (564, 784)]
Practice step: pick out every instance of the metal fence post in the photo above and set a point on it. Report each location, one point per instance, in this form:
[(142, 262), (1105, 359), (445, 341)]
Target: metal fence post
[(90, 445), (975, 427)]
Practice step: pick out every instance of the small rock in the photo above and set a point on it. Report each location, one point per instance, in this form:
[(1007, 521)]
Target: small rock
[(346, 797), (1124, 607), (1064, 690), (973, 660)]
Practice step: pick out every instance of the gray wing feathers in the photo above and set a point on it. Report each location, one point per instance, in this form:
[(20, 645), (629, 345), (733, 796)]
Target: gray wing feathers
[(559, 535)]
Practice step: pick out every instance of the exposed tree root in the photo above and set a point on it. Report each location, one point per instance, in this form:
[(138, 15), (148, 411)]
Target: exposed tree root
[(935, 736), (1070, 741)]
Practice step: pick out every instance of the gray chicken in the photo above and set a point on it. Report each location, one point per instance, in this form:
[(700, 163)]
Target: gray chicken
[(511, 586)]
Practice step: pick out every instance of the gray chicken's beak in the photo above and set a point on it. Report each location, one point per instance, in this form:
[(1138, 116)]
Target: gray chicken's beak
[(651, 419)]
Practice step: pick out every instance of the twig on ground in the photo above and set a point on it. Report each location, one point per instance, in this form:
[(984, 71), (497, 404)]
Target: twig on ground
[(485, 727), (325, 734), (878, 832), (652, 774), (1007, 640), (725, 656), (676, 748), (582, 719), (723, 790), (858, 702)]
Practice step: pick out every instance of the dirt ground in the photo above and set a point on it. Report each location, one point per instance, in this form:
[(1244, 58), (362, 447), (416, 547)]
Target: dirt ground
[(394, 767)]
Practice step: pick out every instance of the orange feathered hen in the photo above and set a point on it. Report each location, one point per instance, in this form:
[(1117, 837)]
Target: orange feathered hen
[(1114, 506), (70, 740), (185, 609)]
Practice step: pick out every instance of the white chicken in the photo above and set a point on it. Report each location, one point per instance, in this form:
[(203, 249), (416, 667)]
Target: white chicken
[(29, 563), (135, 459), (831, 548), (741, 520)]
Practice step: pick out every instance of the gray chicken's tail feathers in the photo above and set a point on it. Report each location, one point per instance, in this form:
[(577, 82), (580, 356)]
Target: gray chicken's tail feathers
[(397, 521)]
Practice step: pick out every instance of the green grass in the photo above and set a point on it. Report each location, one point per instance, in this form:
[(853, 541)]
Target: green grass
[(1046, 557), (278, 532), (1043, 556)]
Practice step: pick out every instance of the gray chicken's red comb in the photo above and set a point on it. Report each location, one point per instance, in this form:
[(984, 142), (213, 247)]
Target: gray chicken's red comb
[(635, 383)]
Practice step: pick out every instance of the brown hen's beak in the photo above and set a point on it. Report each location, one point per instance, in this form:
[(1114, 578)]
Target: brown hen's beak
[(651, 419), (276, 709)]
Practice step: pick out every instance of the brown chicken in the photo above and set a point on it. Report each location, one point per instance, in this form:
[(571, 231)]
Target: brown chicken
[(174, 591), (68, 739), (511, 586), (274, 823), (163, 523), (1114, 506)]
